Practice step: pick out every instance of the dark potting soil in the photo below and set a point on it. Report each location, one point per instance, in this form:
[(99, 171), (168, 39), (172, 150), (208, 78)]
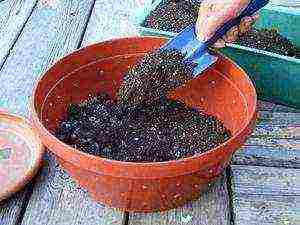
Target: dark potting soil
[(269, 40), (161, 131), (153, 76), (173, 15)]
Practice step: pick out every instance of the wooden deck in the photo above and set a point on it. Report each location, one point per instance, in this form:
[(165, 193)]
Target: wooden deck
[(262, 187)]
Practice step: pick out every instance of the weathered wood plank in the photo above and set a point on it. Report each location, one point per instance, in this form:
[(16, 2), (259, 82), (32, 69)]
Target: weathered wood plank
[(282, 108), (4, 8), (272, 107), (265, 106), (269, 152), (112, 19), (265, 195), (54, 29), (267, 210), (278, 118), (10, 209), (278, 125), (212, 208), (57, 199), (51, 32), (13, 16), (260, 180), (275, 141)]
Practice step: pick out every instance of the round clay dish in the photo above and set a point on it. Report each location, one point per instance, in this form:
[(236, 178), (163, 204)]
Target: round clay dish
[(21, 153)]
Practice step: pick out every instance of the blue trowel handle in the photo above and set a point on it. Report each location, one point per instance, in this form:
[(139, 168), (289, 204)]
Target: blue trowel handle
[(253, 6)]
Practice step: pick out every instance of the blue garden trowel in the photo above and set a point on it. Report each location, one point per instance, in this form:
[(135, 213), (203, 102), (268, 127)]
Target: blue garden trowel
[(196, 51)]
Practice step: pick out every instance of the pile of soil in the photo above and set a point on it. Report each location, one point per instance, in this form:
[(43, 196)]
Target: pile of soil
[(269, 40), (173, 15), (150, 132), (153, 76)]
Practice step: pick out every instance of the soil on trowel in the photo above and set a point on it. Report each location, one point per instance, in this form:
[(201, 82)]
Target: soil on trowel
[(153, 76), (150, 132)]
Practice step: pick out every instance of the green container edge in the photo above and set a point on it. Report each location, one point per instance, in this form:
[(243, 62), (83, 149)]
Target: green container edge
[(276, 77)]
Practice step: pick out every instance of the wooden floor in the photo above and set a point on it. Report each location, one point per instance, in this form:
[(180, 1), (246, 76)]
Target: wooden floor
[(262, 187)]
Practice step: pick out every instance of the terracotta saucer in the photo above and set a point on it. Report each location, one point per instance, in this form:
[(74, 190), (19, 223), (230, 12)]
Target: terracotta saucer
[(21, 153)]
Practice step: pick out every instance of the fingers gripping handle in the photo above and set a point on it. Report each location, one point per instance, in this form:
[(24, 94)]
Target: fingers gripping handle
[(253, 7), (193, 48), (196, 48)]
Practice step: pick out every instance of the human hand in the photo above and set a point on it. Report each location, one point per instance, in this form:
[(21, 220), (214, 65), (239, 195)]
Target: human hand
[(214, 13)]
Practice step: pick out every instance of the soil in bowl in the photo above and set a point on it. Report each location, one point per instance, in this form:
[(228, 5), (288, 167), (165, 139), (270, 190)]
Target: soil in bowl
[(149, 132), (142, 125)]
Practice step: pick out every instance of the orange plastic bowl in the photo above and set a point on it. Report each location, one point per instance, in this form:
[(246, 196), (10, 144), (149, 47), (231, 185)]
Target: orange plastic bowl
[(224, 91)]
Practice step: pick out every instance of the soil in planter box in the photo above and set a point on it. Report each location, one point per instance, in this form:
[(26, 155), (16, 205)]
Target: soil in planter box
[(153, 76), (269, 40), (159, 131), (173, 15)]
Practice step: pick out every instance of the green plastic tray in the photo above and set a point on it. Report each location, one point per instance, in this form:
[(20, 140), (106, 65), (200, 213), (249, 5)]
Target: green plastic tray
[(276, 77)]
